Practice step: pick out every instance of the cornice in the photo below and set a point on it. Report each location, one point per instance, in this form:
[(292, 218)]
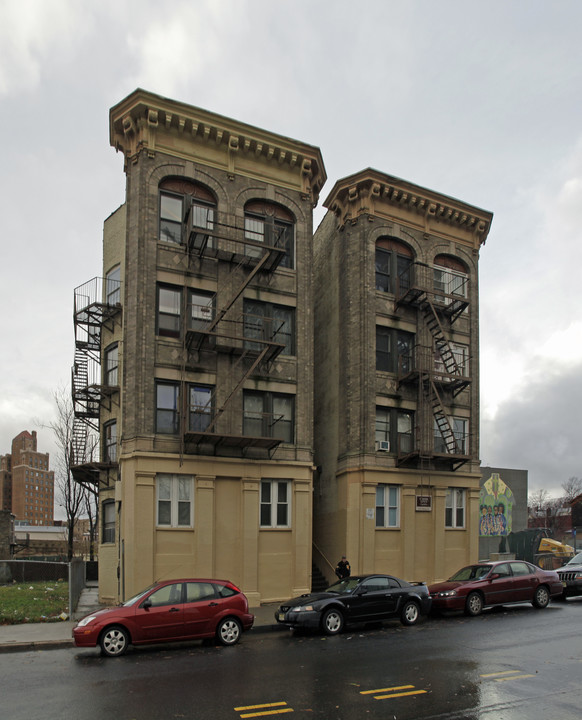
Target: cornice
[(372, 193), (144, 122)]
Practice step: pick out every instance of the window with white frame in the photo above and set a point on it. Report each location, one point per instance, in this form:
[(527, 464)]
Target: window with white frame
[(272, 225), (169, 311), (200, 407), (387, 506), (275, 509), (455, 508), (460, 353), (175, 500), (460, 428), (450, 278)]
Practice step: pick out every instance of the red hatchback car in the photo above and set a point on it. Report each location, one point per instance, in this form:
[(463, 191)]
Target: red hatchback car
[(495, 583), (168, 611)]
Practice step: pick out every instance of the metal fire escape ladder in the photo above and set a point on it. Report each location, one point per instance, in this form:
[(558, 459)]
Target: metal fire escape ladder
[(442, 421), (441, 343)]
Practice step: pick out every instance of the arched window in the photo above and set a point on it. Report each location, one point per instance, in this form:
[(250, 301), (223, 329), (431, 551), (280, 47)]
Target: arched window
[(270, 224), (393, 261), (450, 278), (182, 200)]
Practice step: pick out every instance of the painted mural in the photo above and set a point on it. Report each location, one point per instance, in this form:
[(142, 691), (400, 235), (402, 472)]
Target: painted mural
[(495, 506)]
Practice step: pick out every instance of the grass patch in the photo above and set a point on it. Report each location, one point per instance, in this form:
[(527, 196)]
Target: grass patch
[(33, 602)]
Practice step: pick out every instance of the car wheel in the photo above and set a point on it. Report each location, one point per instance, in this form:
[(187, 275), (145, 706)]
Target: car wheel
[(228, 631), (332, 621), (474, 604), (541, 598), (114, 641), (410, 613)]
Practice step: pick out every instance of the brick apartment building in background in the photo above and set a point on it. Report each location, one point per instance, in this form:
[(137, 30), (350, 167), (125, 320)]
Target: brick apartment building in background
[(216, 319), (26, 483)]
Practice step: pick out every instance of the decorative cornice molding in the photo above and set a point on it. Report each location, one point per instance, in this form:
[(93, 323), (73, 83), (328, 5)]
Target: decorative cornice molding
[(147, 122), (371, 193)]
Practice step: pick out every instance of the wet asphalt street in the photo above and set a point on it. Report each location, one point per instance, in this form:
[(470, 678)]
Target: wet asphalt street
[(508, 664)]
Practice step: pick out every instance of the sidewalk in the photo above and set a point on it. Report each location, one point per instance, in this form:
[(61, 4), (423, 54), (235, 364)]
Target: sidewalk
[(52, 636)]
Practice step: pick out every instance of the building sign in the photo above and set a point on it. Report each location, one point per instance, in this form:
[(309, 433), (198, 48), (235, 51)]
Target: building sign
[(423, 503)]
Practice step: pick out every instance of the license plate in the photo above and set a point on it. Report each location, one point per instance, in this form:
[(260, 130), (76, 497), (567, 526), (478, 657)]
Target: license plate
[(564, 583), (281, 616)]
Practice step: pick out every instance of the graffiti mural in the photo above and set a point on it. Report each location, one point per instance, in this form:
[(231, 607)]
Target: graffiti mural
[(495, 506)]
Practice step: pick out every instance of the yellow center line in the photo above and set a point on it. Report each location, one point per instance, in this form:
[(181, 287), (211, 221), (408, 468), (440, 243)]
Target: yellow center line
[(513, 677), (497, 674), (396, 695), (381, 690), (258, 707), (267, 712)]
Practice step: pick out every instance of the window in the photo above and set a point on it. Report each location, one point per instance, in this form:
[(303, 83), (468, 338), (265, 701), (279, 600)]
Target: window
[(201, 309), (167, 408), (268, 322), (198, 591), (461, 355), (275, 503), (110, 442), (174, 496), (393, 265), (459, 427), (268, 414), (166, 595), (394, 430), (108, 513), (113, 286), (111, 366), (184, 203), (455, 508), (272, 225), (394, 350), (450, 279), (387, 506), (169, 309), (200, 408)]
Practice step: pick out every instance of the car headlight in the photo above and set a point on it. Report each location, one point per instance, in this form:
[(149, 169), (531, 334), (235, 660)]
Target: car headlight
[(86, 620), (448, 593), (302, 608)]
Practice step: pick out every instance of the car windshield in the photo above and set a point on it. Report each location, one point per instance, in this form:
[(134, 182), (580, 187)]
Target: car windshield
[(344, 587), (136, 598), (471, 572), (576, 560)]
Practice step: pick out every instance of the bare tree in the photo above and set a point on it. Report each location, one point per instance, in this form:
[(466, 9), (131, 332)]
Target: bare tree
[(72, 494), (572, 487)]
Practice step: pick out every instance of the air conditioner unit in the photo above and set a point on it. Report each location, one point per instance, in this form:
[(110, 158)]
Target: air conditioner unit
[(383, 445)]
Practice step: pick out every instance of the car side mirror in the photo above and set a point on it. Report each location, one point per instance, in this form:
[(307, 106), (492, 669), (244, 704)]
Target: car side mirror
[(494, 576), (146, 605)]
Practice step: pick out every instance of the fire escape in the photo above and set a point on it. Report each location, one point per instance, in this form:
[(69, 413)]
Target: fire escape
[(96, 305), (436, 371), (250, 341)]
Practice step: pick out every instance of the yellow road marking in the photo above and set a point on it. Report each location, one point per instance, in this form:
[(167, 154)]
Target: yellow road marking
[(497, 674), (513, 677), (396, 695), (258, 707), (381, 690), (263, 711)]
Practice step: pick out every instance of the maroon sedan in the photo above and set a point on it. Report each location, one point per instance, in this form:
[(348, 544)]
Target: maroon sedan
[(495, 583), (168, 611)]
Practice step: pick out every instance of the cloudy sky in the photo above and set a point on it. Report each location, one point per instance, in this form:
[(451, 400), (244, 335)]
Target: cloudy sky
[(478, 100)]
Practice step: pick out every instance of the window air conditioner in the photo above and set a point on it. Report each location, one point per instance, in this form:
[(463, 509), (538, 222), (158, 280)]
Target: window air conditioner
[(383, 445)]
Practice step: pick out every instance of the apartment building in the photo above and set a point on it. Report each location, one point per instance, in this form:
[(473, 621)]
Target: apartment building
[(194, 361), (26, 483), (397, 378)]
